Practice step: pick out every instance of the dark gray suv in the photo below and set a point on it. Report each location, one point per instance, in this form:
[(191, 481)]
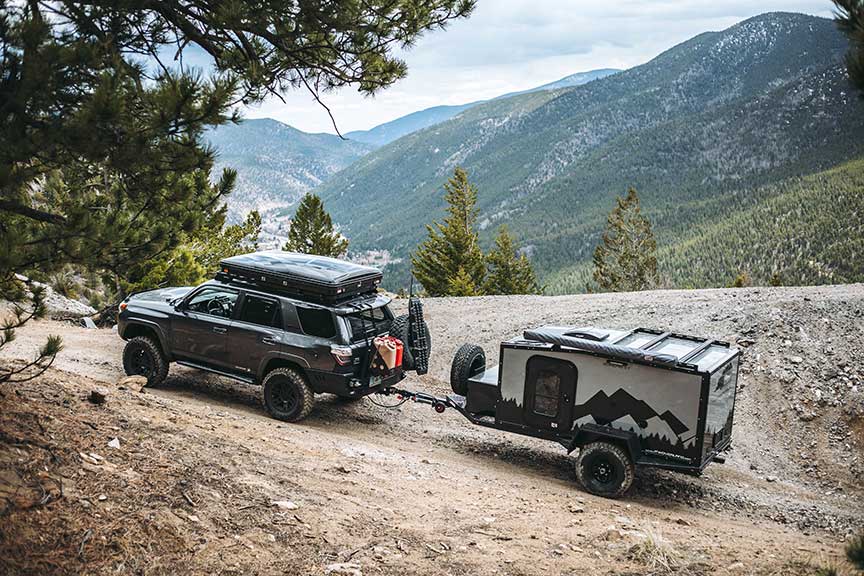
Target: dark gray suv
[(246, 326)]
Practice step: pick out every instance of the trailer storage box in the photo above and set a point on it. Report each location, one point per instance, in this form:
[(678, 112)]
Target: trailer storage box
[(302, 276), (671, 395)]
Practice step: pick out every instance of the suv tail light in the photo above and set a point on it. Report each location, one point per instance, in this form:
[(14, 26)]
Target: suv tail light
[(341, 355)]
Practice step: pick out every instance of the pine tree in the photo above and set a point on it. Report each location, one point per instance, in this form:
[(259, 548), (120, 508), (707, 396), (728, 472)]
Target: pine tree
[(312, 230), (509, 271), (462, 285), (850, 20), (450, 258), (103, 162), (626, 260), (197, 258)]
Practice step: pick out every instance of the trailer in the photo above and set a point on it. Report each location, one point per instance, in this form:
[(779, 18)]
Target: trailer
[(624, 398)]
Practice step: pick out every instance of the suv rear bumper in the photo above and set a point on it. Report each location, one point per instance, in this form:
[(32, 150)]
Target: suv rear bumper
[(349, 385)]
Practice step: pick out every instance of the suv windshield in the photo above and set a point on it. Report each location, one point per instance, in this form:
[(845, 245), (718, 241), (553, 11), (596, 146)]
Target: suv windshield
[(369, 323)]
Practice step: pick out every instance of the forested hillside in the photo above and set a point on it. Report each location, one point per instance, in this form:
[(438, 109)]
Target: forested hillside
[(698, 130), (275, 163), (800, 231)]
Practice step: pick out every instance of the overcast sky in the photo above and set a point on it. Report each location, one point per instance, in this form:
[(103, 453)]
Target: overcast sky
[(510, 45)]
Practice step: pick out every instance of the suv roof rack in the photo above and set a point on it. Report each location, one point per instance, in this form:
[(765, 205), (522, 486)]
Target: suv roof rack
[(306, 277)]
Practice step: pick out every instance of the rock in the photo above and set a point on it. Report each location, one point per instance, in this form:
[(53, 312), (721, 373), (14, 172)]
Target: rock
[(114, 443), (87, 322), (576, 509), (102, 497), (133, 383), (795, 359), (193, 518), (345, 569), (285, 505), (89, 459), (682, 522), (771, 479), (98, 396), (613, 534)]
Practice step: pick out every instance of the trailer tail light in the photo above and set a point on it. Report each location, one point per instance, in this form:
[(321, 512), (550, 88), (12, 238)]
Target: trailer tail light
[(123, 306), (341, 355)]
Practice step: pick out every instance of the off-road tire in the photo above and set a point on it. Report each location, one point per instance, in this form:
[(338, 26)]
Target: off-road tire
[(142, 356), (286, 395), (399, 329), (605, 469), (469, 360)]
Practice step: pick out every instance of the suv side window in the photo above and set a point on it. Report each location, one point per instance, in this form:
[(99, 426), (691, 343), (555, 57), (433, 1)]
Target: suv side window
[(261, 311), (214, 301), (316, 322)]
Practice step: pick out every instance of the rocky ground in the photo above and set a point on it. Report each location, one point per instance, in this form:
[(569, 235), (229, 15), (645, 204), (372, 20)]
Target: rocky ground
[(195, 478)]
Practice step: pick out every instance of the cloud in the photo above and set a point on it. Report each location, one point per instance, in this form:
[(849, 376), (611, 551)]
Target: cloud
[(510, 45)]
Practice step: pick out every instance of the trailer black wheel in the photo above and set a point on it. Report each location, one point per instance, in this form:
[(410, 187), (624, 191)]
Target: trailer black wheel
[(143, 356), (469, 361), (605, 469), (286, 395), (399, 329)]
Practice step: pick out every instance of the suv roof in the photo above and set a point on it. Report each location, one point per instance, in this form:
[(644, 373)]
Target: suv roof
[(303, 276)]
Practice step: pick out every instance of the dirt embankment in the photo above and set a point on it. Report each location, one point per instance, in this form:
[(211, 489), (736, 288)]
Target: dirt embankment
[(204, 482)]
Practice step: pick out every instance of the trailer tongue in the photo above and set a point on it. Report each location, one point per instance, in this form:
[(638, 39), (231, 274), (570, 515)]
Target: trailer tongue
[(624, 398)]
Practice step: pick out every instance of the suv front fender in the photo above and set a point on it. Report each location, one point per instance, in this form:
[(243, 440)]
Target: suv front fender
[(139, 327)]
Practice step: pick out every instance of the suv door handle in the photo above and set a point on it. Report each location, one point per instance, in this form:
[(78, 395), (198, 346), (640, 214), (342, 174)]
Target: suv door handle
[(268, 340), (219, 330)]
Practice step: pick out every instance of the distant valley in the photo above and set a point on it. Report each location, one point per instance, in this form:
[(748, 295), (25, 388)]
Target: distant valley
[(277, 163)]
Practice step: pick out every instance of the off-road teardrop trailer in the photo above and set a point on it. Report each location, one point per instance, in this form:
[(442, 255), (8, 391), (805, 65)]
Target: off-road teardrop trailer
[(624, 398)]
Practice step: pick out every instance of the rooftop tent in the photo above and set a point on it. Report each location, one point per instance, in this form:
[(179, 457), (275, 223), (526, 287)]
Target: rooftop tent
[(305, 276)]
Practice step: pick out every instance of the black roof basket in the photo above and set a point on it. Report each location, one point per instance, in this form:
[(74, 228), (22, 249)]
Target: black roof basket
[(306, 277)]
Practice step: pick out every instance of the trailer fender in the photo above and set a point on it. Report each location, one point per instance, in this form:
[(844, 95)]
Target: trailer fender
[(588, 433)]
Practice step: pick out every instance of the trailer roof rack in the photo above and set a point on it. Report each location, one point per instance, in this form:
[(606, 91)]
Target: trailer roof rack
[(641, 344), (303, 276)]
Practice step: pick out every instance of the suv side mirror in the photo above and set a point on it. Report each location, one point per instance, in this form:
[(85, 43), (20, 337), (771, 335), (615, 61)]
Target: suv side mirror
[(179, 304)]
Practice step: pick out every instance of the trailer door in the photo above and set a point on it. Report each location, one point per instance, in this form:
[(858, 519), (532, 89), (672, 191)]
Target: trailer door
[(550, 387)]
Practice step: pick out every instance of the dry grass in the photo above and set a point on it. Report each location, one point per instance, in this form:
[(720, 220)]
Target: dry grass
[(44, 528), (656, 554)]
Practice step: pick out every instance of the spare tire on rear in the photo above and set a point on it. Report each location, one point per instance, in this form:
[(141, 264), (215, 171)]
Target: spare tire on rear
[(399, 329), (469, 361)]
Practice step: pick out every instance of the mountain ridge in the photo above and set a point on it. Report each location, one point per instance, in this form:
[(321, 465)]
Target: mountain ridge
[(388, 132), (711, 118)]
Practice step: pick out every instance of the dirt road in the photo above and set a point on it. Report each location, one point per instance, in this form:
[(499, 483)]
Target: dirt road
[(203, 482)]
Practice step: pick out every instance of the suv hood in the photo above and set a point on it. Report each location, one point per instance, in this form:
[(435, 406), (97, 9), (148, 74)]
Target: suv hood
[(162, 294)]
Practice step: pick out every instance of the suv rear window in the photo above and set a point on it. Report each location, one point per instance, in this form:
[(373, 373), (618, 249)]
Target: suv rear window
[(316, 322), (261, 311), (369, 323)]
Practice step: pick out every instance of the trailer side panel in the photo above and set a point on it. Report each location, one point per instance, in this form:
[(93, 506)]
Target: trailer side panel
[(660, 405), (721, 408)]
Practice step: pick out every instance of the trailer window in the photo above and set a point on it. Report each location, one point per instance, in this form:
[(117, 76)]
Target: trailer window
[(636, 340), (678, 347), (316, 322), (546, 391), (710, 357)]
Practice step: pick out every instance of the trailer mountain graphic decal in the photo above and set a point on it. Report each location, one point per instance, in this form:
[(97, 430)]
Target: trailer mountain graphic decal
[(607, 409)]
